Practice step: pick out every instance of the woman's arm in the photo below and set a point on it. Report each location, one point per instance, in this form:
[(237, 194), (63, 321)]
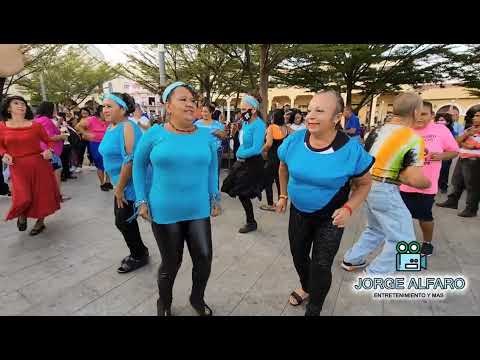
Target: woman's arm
[(283, 176), (360, 188), (126, 170), (269, 141)]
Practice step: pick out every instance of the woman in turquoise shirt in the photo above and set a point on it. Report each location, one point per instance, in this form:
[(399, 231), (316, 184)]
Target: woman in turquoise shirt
[(117, 148), (246, 178), (184, 194)]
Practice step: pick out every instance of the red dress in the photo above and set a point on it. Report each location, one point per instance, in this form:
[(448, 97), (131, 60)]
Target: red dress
[(35, 191)]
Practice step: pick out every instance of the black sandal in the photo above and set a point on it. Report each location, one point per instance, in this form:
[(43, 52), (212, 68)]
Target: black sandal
[(21, 225), (37, 230), (130, 263), (202, 309), (298, 298)]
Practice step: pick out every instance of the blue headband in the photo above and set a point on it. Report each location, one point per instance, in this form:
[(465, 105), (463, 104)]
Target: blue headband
[(251, 101), (117, 100), (169, 89)]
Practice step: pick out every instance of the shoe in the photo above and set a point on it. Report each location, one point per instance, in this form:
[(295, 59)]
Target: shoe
[(131, 264), (201, 308), (104, 188), (37, 230), (268, 208), (65, 198), (449, 204), (72, 177), (427, 249), (351, 267), (249, 227), (108, 186), (467, 213), (163, 311), (78, 170), (22, 225)]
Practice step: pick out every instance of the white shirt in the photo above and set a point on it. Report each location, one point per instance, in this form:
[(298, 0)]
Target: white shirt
[(296, 127), (143, 120)]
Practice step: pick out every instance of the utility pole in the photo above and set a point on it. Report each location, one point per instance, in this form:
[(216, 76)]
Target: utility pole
[(161, 63)]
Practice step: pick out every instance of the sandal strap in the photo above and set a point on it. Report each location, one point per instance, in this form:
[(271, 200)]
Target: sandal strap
[(297, 297)]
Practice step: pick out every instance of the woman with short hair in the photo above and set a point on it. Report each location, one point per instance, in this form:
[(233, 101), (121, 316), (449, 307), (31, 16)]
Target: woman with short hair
[(317, 166)]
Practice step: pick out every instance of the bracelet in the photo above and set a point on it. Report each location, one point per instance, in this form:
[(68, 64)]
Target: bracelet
[(284, 197), (345, 206)]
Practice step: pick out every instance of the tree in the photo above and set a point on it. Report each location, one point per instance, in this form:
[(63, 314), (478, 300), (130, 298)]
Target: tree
[(70, 78), (370, 68), (257, 62), (466, 68)]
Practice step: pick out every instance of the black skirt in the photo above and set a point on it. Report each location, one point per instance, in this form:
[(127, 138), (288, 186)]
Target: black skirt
[(246, 179)]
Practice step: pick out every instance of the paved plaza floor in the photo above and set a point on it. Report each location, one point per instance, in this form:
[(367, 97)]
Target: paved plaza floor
[(70, 269)]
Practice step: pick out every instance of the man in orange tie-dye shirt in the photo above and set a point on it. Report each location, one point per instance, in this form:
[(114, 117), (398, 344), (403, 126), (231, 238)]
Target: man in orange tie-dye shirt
[(399, 154)]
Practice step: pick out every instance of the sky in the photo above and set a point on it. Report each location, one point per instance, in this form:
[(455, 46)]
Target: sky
[(114, 52)]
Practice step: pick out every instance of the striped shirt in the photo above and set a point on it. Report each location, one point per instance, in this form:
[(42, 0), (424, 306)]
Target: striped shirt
[(394, 147)]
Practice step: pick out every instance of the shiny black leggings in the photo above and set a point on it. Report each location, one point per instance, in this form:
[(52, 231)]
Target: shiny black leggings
[(170, 239), (323, 239)]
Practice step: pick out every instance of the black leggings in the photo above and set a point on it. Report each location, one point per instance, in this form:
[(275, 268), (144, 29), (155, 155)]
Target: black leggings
[(248, 207), (315, 273), (269, 189), (129, 230), (66, 156), (170, 239)]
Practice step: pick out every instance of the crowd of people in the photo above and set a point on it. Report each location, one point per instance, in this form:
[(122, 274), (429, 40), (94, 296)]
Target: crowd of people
[(168, 173)]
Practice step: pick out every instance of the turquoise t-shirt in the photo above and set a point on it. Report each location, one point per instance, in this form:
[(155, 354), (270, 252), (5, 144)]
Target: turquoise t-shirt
[(253, 139), (214, 126), (319, 179), (112, 149), (185, 174)]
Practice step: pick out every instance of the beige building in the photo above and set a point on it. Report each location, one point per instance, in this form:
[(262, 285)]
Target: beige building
[(442, 97)]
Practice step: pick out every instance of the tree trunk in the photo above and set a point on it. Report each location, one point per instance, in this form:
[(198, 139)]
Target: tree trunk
[(264, 80), (349, 94)]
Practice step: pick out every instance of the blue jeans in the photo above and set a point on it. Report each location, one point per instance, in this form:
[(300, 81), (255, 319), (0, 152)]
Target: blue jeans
[(388, 222)]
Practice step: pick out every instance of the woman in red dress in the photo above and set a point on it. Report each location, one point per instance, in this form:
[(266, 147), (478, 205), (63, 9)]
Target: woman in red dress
[(35, 191)]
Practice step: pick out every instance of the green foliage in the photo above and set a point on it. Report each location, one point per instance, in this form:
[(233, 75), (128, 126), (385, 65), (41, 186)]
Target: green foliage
[(370, 69), (69, 78)]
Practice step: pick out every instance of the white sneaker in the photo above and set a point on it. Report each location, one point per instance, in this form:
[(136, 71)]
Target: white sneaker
[(78, 170)]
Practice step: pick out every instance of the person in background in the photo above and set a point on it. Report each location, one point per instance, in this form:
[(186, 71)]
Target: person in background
[(399, 155), (139, 119), (245, 180), (288, 117), (84, 114), (93, 130), (276, 133), (458, 128), (66, 156), (446, 120), (217, 130), (352, 123), (439, 145), (298, 123), (45, 115), (466, 174)]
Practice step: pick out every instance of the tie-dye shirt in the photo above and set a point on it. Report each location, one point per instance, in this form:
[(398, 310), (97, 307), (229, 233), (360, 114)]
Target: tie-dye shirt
[(394, 147)]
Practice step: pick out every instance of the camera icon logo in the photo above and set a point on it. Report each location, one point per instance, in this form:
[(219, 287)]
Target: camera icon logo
[(409, 257)]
